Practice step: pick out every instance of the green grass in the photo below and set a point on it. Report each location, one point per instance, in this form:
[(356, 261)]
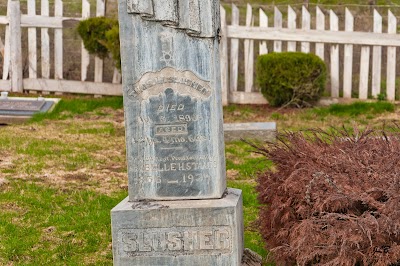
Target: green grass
[(67, 108), (355, 109), (46, 226), (239, 157), (44, 223)]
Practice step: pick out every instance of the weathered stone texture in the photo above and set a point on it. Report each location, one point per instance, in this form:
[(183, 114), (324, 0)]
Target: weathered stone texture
[(179, 233), (264, 131), (172, 101)]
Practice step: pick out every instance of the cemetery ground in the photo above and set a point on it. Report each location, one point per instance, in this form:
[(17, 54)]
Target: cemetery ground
[(62, 173)]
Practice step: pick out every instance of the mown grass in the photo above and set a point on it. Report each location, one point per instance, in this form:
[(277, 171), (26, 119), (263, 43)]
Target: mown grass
[(69, 107), (46, 226), (66, 170)]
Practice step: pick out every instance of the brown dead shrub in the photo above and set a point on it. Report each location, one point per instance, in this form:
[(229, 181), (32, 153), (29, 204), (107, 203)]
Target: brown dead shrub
[(334, 198)]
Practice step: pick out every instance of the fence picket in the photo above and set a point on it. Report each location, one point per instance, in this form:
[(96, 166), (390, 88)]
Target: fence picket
[(364, 72), (7, 46), (32, 43), (116, 76), (391, 60), (277, 25), (305, 25), (58, 42), (45, 42), (85, 54), (98, 62), (334, 26), (234, 52), (348, 58), (377, 57), (291, 46), (249, 54), (224, 62), (320, 25), (15, 43), (263, 24)]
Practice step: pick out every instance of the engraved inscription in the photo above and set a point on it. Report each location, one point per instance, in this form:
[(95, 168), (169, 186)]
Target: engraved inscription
[(173, 154), (173, 129), (177, 241), (184, 82)]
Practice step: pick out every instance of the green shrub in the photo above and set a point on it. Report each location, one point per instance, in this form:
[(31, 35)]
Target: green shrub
[(100, 37), (291, 78)]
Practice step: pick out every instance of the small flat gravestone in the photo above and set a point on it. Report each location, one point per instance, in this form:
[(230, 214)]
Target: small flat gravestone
[(16, 109), (179, 211), (265, 131)]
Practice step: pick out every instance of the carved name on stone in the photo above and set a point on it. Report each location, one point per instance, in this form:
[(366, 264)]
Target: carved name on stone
[(178, 241), (184, 82)]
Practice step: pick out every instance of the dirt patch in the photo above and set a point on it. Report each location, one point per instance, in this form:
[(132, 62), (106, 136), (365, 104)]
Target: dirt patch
[(77, 177), (64, 157), (232, 174), (256, 113)]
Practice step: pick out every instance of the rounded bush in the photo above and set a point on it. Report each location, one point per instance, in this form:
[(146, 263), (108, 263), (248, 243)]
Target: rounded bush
[(291, 78), (100, 36)]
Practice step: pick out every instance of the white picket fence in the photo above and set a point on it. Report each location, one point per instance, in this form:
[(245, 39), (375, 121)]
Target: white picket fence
[(232, 36), (320, 36), (12, 79)]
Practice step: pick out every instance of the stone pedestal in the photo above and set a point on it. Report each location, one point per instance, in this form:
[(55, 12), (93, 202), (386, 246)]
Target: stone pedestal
[(195, 232)]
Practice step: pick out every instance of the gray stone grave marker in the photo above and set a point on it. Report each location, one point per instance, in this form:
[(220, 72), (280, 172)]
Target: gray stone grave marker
[(20, 109), (179, 211)]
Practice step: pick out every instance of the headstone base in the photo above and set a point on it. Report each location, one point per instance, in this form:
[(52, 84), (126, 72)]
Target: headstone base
[(178, 233)]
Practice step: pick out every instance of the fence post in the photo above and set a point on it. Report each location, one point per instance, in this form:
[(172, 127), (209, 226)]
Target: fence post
[(85, 58), (391, 60), (15, 45), (249, 53), (263, 24), (291, 46), (32, 43), (348, 58), (224, 59), (376, 58), (334, 26), (277, 25), (45, 41), (305, 25), (320, 47), (7, 46), (58, 42), (234, 60), (98, 62)]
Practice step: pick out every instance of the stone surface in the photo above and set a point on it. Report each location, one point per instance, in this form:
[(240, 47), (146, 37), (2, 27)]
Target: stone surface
[(20, 109), (265, 131), (172, 102), (179, 233), (20, 105)]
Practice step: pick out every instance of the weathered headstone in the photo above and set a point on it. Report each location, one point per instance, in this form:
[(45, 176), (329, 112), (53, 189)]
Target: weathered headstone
[(179, 211)]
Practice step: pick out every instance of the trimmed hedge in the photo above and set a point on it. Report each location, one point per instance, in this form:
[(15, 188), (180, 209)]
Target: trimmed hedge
[(100, 36), (291, 78)]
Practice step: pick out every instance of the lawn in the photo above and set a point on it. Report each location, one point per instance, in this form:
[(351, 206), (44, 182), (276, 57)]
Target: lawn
[(62, 173)]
